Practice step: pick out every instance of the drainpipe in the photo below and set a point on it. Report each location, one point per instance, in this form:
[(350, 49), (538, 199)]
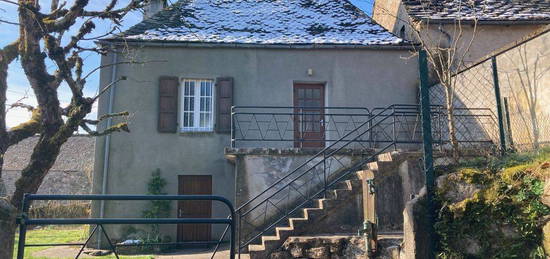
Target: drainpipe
[(107, 142)]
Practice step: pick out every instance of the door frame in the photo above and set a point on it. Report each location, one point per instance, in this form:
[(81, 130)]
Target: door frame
[(322, 130)]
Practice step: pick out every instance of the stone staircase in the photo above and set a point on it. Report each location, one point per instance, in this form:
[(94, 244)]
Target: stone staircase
[(317, 213)]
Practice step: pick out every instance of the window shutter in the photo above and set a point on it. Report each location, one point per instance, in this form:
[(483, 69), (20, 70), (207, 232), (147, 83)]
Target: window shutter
[(224, 96), (168, 104)]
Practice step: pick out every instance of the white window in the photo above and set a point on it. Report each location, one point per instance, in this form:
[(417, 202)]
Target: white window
[(197, 96)]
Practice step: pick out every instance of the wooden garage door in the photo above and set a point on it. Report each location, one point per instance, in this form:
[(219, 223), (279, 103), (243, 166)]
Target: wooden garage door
[(194, 184)]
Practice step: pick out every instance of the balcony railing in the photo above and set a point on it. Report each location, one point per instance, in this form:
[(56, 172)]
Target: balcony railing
[(287, 126)]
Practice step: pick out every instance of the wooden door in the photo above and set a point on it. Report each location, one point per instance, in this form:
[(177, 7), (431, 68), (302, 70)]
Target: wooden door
[(194, 184), (309, 126)]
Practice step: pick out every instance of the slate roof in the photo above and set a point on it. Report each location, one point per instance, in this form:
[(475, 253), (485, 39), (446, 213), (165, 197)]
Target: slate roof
[(495, 11), (262, 22)]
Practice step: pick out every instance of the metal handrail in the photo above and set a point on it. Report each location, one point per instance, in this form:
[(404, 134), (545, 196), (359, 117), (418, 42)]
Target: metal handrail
[(305, 163), (323, 152), (384, 113)]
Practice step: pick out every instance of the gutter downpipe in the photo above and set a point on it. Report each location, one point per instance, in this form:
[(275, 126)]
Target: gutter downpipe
[(107, 143)]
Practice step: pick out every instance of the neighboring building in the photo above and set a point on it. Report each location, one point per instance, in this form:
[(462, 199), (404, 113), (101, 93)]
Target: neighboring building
[(441, 22), (202, 57), (523, 73), (71, 173)]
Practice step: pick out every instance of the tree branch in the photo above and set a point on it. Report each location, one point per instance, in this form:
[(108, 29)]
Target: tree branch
[(119, 127), (106, 116), (25, 129)]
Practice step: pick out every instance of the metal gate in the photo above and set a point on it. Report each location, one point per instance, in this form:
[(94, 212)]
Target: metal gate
[(25, 221)]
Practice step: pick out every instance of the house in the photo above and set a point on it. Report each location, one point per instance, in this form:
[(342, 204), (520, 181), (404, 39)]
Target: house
[(188, 64), (488, 25)]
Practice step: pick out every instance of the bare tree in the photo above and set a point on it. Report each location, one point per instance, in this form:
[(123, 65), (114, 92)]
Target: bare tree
[(45, 38), (525, 81), (447, 47)]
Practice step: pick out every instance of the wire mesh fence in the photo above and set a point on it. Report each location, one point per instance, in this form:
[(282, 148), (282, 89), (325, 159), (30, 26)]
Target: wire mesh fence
[(523, 77)]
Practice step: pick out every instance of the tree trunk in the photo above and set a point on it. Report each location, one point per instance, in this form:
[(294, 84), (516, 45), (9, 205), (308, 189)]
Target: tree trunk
[(451, 124), (535, 127), (8, 214)]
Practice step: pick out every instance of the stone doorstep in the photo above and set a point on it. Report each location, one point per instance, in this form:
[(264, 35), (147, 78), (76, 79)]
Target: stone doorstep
[(324, 246), (338, 246)]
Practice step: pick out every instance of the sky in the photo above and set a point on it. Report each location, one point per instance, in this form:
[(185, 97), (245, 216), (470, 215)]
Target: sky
[(18, 87)]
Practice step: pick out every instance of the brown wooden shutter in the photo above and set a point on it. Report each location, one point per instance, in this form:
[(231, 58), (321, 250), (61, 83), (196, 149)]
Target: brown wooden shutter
[(168, 104), (224, 86)]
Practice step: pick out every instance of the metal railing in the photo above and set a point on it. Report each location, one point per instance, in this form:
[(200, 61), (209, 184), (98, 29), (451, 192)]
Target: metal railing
[(385, 128), (25, 221), (287, 123), (281, 126)]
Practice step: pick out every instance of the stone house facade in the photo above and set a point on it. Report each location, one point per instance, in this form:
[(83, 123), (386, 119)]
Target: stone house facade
[(196, 59)]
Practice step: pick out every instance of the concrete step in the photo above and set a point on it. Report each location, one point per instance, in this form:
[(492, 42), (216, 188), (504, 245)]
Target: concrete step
[(296, 225)]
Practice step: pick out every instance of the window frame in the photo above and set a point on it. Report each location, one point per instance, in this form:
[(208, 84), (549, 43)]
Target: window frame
[(196, 105)]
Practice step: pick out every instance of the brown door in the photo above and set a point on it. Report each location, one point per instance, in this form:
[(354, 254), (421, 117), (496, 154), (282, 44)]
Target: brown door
[(309, 127), (194, 184)]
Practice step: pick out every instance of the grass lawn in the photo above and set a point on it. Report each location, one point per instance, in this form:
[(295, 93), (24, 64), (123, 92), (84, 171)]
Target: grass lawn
[(60, 234)]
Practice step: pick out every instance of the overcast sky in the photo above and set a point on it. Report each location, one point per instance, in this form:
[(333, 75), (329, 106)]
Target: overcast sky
[(18, 87)]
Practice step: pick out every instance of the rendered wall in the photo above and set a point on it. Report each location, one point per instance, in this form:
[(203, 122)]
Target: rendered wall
[(352, 77)]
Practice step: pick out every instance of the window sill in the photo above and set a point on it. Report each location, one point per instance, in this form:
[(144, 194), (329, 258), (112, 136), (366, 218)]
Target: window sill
[(196, 133)]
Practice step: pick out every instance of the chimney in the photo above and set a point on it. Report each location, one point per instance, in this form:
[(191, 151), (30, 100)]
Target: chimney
[(152, 7)]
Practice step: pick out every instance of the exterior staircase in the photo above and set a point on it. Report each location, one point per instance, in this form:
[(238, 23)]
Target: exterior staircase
[(316, 211)]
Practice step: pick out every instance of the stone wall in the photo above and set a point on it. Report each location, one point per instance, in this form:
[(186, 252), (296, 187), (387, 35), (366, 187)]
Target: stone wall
[(258, 168), (56, 182), (71, 173), (396, 183)]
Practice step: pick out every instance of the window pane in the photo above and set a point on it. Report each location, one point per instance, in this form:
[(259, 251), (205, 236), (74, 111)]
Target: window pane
[(203, 120), (316, 93), (208, 104), (191, 103), (206, 120), (301, 93), (188, 120), (186, 88)]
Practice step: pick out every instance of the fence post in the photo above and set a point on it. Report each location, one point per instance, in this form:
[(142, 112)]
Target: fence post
[(428, 148), (499, 107), (232, 126), (23, 227), (508, 124)]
